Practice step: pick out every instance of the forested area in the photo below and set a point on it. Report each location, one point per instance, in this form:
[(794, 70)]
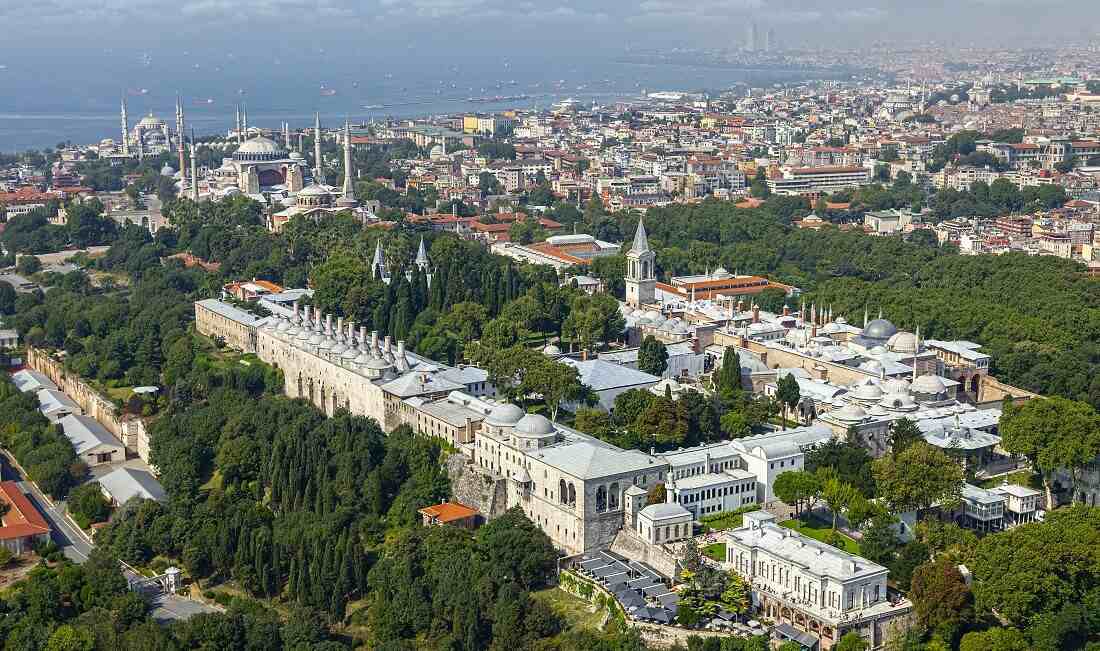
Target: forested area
[(36, 443)]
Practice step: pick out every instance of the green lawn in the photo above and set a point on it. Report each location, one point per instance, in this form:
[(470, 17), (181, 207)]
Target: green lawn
[(1021, 477), (574, 611), (716, 551), (726, 520), (819, 530)]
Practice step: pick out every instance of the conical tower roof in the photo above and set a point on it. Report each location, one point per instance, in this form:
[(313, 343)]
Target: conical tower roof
[(641, 242)]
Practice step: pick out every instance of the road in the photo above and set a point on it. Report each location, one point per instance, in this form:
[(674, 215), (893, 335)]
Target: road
[(72, 541)]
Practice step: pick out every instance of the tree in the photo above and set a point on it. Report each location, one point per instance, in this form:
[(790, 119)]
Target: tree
[(656, 495), (941, 598), (880, 542), (737, 597), (903, 433), (995, 639), (87, 504), (554, 381), (852, 642), (1053, 433), (28, 264), (788, 393), (917, 478), (728, 377), (71, 638), (652, 356), (838, 495), (798, 488)]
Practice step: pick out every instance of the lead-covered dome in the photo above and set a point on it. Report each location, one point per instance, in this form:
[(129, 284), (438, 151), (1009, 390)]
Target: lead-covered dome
[(259, 149), (534, 425), (505, 415), (880, 329)]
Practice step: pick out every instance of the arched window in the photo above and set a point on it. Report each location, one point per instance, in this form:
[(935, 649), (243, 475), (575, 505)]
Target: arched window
[(572, 494), (613, 497), (601, 498), (563, 493)]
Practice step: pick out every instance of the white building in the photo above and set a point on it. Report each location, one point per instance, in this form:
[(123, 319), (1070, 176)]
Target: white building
[(810, 585), (93, 444)]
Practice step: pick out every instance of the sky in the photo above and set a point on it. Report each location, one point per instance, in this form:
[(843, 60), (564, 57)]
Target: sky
[(80, 55)]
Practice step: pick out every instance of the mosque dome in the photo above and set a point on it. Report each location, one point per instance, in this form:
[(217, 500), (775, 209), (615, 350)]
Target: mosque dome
[(871, 366), (879, 329), (436, 152), (902, 342), (929, 384), (654, 315), (850, 413), (505, 415), (721, 271), (898, 402), (296, 155), (167, 170), (150, 122), (550, 350), (258, 149), (895, 385), (868, 391), (534, 425)]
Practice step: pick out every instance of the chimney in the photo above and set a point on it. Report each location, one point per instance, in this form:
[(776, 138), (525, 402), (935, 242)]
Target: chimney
[(584, 355), (339, 327), (786, 310), (328, 324), (373, 341), (362, 337), (351, 333), (295, 310), (755, 313), (388, 345), (740, 305), (401, 348), (305, 318)]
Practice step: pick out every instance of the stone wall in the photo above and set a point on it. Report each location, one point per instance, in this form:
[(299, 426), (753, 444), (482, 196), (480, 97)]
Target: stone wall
[(129, 429), (631, 546), (992, 391), (473, 488)]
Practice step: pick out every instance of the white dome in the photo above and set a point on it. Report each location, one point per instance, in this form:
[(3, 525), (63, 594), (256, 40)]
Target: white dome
[(295, 155), (902, 342), (868, 391), (313, 190), (551, 350), (841, 320), (259, 145), (850, 413), (871, 366), (654, 315), (895, 385), (506, 414), (930, 384), (150, 122), (534, 425), (898, 402)]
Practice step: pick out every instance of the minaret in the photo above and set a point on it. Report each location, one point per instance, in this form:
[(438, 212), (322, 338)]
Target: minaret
[(318, 170), (422, 256), (641, 279), (125, 129), (378, 265), (286, 135), (347, 200), (180, 127), (194, 170), (244, 121), (237, 129)]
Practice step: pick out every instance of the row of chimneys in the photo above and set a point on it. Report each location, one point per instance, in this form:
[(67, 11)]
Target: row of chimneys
[(387, 345)]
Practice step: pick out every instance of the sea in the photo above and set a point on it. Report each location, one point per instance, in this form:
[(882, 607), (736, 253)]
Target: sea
[(43, 111)]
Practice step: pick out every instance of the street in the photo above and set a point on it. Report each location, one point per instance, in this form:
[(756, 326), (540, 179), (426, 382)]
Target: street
[(73, 543)]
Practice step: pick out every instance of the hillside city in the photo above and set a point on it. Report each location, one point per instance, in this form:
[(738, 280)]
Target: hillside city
[(803, 366)]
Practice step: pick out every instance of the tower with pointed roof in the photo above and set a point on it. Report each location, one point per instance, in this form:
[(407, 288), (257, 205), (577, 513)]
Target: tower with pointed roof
[(125, 129), (378, 265), (347, 199), (318, 171), (641, 278), (180, 128)]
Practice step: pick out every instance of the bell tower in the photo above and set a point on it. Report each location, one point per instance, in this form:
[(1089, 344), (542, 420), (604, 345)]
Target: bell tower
[(641, 279)]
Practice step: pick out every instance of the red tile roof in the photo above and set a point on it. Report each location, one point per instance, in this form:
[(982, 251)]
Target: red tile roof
[(449, 511), (22, 519)]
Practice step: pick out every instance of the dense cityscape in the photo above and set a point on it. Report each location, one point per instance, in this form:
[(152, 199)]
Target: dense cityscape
[(806, 363)]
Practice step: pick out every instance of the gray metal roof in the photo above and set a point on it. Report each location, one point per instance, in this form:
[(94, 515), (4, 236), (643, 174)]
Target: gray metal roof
[(228, 311), (124, 483), (601, 375), (52, 402), (31, 380), (589, 460), (86, 433), (816, 557)]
